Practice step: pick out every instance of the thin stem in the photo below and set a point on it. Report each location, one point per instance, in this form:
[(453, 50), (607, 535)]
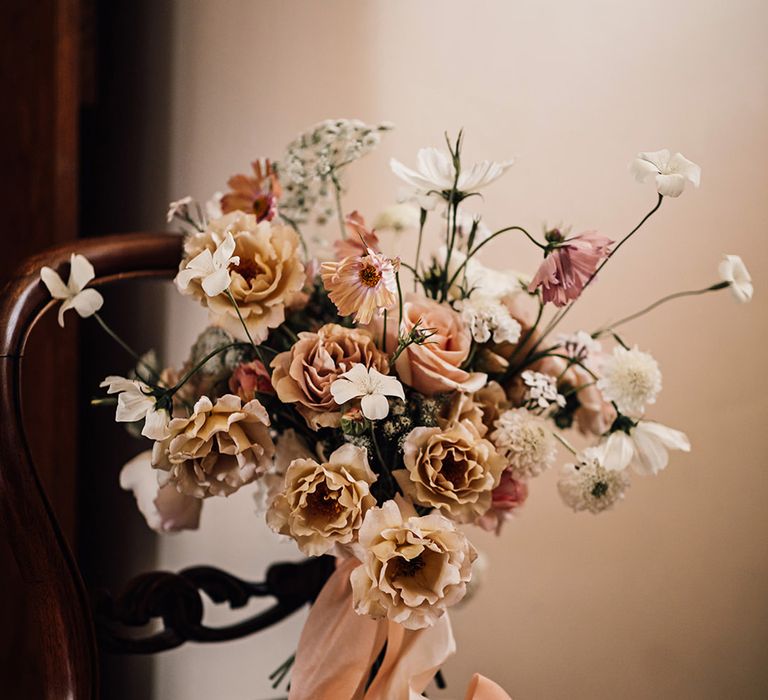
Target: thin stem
[(192, 371), (422, 221), (663, 300), (339, 210), (152, 371), (400, 303), (245, 328), (296, 228), (521, 343), (384, 333), (564, 442)]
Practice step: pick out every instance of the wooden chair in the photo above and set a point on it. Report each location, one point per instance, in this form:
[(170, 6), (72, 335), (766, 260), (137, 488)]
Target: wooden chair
[(74, 623)]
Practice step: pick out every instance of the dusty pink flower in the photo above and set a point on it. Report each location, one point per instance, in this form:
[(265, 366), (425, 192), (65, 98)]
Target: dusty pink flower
[(249, 378), (257, 194), (362, 285), (509, 495), (359, 239), (564, 272)]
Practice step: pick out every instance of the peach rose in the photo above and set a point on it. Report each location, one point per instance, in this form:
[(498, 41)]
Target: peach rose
[(452, 469), (435, 366), (218, 449), (267, 280), (303, 375), (324, 504)]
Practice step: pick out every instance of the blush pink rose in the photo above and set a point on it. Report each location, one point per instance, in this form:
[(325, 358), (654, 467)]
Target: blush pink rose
[(507, 497), (435, 366)]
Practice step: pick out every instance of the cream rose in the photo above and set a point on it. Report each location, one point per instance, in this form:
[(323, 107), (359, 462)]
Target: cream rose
[(268, 278), (413, 568), (452, 469), (218, 449), (434, 366), (303, 375), (324, 504)]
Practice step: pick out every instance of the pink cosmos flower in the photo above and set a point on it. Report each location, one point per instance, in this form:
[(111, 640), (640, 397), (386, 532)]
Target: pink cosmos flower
[(564, 272), (362, 285), (359, 239), (509, 495)]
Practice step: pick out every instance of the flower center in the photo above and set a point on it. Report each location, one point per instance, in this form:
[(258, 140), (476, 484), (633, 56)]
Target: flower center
[(247, 269), (599, 489), (324, 502), (407, 568), (453, 469), (370, 275)]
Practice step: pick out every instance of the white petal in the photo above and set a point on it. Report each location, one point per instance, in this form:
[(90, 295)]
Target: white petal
[(80, 273), (411, 176), (670, 185), (617, 451), (133, 405), (669, 437), (87, 302), (643, 170), (156, 425), (215, 284), (659, 159), (651, 455), (390, 386), (224, 251), (358, 374), (374, 406), (184, 277), (66, 306), (682, 166), (115, 383), (343, 390), (54, 283)]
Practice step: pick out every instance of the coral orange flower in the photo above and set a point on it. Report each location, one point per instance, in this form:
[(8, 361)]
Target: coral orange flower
[(254, 195), (362, 284), (359, 239)]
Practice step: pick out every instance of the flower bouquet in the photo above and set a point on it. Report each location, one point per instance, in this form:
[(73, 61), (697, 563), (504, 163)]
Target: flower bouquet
[(379, 404)]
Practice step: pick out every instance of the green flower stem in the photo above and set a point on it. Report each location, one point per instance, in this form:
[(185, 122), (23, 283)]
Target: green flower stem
[(422, 221), (200, 364), (152, 371), (339, 210), (296, 228), (521, 343), (400, 303), (663, 300), (245, 328), (384, 333)]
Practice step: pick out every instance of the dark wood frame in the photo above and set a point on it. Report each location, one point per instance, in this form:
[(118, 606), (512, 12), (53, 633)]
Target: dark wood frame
[(53, 586)]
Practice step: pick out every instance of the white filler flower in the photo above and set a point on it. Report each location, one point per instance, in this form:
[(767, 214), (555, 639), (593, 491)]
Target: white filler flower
[(645, 447), (631, 379), (525, 441), (488, 318), (588, 485), (733, 270), (211, 268), (85, 301), (136, 402), (371, 385), (670, 172), (541, 391)]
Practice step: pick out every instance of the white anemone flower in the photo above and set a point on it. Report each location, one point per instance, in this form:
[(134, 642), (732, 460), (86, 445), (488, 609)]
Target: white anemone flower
[(435, 173), (670, 172), (134, 403), (85, 301), (733, 270), (371, 385), (645, 447), (212, 268)]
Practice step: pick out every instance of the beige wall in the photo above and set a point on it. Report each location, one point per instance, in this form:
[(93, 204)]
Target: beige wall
[(665, 596)]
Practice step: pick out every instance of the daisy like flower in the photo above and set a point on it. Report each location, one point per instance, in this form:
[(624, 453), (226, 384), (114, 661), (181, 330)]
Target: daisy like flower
[(135, 402), (569, 266), (645, 446), (361, 285), (211, 268), (541, 390), (435, 174), (670, 172), (525, 441), (631, 379), (488, 318), (371, 385), (588, 485), (74, 295), (733, 270)]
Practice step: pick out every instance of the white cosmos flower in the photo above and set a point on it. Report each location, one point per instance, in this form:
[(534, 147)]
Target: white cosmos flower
[(670, 172), (645, 447), (134, 403), (733, 270), (371, 385), (85, 301), (435, 173), (631, 379), (398, 218), (212, 268), (588, 485)]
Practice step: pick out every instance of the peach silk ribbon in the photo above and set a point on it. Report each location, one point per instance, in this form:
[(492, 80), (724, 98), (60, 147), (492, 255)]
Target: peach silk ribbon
[(338, 647)]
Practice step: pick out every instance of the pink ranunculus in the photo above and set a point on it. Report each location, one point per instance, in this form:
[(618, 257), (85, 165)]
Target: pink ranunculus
[(507, 497), (568, 267), (356, 233), (435, 366), (250, 378)]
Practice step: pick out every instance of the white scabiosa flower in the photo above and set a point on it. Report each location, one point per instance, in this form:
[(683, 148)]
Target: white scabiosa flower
[(645, 445), (488, 318), (525, 441), (579, 346), (670, 172), (73, 294), (398, 218), (588, 485), (541, 391), (631, 379), (733, 270)]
